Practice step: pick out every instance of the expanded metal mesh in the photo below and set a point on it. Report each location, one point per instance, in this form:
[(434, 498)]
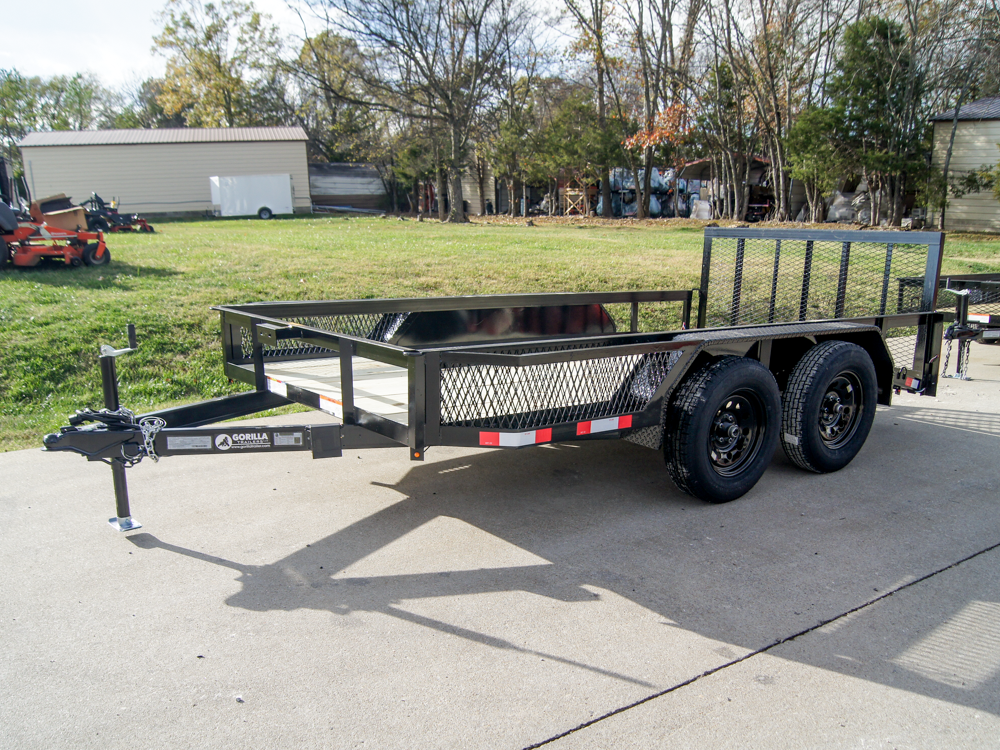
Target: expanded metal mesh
[(985, 301), (780, 280), (770, 281), (523, 398), (374, 326), (902, 345)]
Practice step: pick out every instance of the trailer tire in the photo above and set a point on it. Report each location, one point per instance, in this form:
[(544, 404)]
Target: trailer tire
[(265, 213), (721, 429), (90, 255), (828, 406)]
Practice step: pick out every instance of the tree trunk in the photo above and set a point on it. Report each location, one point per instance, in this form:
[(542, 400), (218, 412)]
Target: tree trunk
[(481, 184), (457, 214), (647, 180), (455, 169), (442, 194), (745, 188), (724, 185), (606, 208), (638, 192)]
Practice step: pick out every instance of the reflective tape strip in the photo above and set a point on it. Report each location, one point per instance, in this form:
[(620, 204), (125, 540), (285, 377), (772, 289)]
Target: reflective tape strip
[(331, 406), (534, 437), (604, 425), (276, 386), (515, 439), (977, 318)]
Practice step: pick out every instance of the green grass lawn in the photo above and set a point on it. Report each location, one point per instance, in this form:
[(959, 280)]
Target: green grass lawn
[(53, 319)]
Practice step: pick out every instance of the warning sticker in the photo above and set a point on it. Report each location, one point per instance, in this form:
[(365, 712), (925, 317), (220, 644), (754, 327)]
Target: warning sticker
[(189, 443), (287, 438)]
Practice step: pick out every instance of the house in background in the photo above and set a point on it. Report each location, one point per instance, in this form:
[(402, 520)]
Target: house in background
[(164, 170), (976, 139)]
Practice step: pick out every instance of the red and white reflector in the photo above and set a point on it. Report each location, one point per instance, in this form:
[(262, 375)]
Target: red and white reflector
[(515, 439), (912, 382), (604, 425)]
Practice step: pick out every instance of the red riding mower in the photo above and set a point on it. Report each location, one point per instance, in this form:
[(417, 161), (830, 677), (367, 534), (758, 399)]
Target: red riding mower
[(28, 243)]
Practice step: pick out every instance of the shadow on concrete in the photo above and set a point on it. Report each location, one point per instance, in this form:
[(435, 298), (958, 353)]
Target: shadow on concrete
[(983, 423), (797, 551)]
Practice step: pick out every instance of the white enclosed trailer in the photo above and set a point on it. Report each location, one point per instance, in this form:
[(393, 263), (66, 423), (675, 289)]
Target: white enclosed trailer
[(263, 195)]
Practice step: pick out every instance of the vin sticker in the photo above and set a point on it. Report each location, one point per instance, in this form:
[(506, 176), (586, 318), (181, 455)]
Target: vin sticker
[(288, 438), (189, 443)]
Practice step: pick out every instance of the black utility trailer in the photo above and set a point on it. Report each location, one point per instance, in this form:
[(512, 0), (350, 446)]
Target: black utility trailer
[(798, 335)]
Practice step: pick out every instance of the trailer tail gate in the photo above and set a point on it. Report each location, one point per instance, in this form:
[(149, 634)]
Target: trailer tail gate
[(753, 276)]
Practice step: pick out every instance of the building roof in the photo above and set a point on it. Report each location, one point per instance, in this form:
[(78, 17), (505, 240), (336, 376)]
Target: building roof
[(161, 135), (343, 169), (981, 109)]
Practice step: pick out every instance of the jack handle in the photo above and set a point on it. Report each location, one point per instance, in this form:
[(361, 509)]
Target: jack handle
[(108, 351)]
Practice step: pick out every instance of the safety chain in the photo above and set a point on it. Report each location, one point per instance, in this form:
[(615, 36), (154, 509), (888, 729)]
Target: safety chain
[(150, 426), (964, 335), (964, 351)]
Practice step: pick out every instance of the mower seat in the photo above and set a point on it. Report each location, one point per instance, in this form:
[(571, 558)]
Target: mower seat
[(8, 222)]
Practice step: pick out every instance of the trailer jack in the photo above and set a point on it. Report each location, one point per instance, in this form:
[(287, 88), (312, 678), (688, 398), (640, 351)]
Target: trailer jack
[(123, 520)]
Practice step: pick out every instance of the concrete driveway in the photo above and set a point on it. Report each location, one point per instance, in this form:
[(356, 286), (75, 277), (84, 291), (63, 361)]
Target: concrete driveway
[(566, 595)]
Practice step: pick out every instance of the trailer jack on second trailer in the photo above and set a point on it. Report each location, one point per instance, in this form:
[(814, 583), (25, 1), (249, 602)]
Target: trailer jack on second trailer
[(799, 335)]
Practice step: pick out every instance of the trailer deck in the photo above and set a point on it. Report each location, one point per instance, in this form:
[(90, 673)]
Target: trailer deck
[(379, 388)]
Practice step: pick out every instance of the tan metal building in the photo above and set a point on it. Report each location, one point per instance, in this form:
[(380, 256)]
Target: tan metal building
[(161, 171), (977, 138)]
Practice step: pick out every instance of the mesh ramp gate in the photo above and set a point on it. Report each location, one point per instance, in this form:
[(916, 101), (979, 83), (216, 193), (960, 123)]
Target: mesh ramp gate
[(753, 276)]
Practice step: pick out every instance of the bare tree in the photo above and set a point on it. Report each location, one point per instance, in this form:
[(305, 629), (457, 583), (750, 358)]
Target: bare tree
[(437, 60), (591, 17)]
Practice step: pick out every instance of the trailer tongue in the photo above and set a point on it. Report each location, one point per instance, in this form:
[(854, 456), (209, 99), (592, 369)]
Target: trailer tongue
[(799, 334)]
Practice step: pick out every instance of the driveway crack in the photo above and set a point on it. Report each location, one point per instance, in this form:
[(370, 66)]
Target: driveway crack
[(763, 650)]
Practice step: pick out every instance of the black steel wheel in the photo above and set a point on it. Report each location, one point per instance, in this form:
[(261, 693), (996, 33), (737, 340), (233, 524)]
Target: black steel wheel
[(828, 406), (90, 255), (265, 213), (721, 429)]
